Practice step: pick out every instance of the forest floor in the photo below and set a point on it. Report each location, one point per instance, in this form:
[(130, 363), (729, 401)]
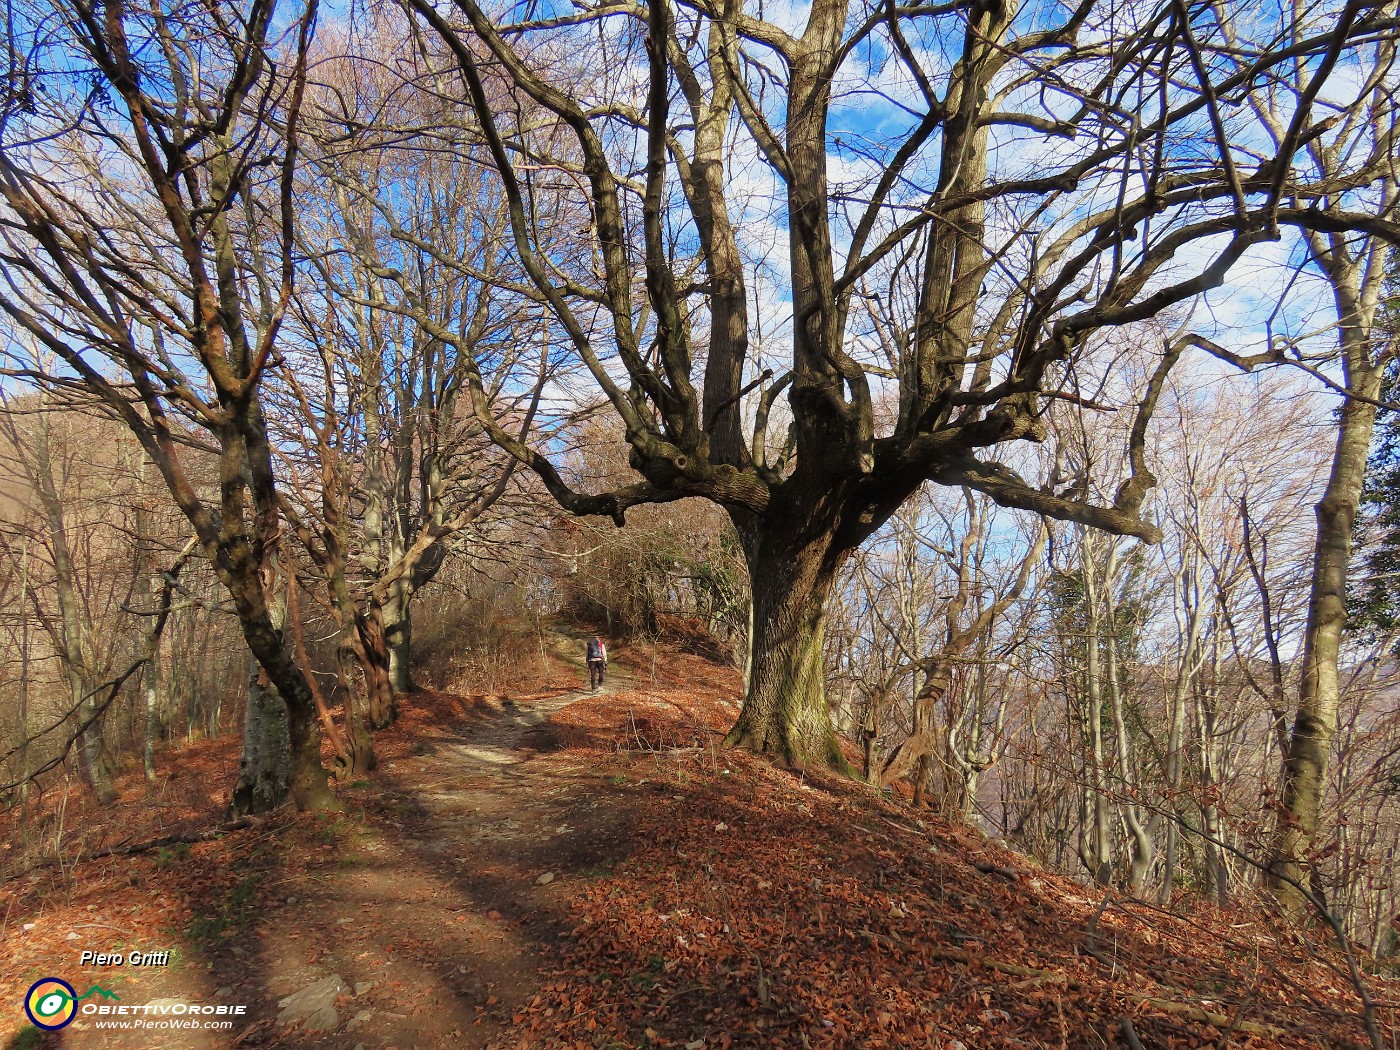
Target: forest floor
[(559, 868)]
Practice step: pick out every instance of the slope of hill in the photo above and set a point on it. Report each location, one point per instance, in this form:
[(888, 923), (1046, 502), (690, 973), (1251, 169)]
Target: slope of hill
[(565, 869)]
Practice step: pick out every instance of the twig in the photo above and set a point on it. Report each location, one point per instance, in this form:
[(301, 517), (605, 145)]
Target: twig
[(1130, 1035), (169, 840), (986, 867), (1090, 938), (1210, 1017)]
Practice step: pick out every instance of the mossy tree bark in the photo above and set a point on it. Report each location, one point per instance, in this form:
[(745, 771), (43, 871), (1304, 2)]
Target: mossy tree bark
[(265, 765), (1357, 270), (971, 331), (785, 712), (1306, 760)]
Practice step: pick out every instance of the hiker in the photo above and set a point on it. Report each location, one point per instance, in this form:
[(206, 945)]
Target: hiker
[(597, 662)]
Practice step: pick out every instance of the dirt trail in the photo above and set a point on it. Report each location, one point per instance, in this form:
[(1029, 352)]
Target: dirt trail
[(467, 844), (682, 896), (430, 898)]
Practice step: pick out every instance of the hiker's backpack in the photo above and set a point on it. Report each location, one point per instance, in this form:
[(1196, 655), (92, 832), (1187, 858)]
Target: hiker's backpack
[(595, 649)]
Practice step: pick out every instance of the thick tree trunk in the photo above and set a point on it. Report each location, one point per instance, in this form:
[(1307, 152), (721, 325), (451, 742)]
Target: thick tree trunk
[(372, 652), (921, 774), (785, 711), (358, 745), (1315, 724), (282, 674), (354, 752), (265, 770), (398, 639)]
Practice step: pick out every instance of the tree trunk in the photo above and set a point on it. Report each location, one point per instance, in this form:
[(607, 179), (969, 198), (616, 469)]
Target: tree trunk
[(923, 738), (398, 639), (265, 770), (785, 711), (150, 687), (150, 674), (94, 750), (1097, 846), (359, 745), (354, 750), (24, 695), (73, 644), (1212, 819), (260, 770), (1310, 743), (921, 775), (1186, 587), (1140, 863), (372, 652)]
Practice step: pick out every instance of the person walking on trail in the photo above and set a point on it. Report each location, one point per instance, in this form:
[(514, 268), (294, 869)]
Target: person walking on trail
[(597, 661)]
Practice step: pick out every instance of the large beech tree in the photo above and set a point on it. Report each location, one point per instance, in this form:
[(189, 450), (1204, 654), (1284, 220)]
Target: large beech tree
[(967, 195), (146, 164), (396, 472)]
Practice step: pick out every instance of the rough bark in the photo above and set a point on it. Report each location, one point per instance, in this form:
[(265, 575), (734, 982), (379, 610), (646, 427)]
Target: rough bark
[(265, 768), (785, 712), (398, 638), (372, 652)]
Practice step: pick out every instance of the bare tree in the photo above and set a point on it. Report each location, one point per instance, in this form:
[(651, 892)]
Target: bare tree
[(96, 572), (1028, 190), (394, 470), (960, 636), (147, 175), (52, 484), (1355, 262)]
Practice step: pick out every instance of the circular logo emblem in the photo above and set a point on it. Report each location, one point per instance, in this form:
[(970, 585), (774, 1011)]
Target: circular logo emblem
[(51, 1003)]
